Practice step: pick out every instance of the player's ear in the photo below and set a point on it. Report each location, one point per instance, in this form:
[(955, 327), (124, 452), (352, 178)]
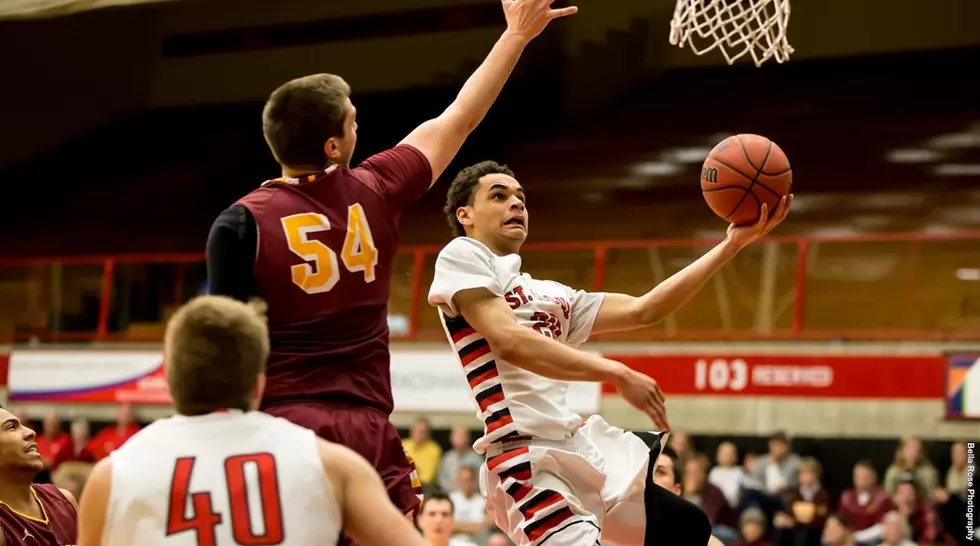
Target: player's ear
[(332, 148), (464, 215)]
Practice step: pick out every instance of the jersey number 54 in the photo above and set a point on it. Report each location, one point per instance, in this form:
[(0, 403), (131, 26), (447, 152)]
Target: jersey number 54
[(321, 272), (203, 519)]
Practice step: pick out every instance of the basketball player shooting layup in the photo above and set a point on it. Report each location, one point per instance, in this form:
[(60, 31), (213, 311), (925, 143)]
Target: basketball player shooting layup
[(220, 473), (548, 476), (30, 514), (318, 245)]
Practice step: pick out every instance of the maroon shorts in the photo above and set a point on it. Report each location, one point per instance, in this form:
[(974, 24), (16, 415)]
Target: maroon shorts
[(369, 433)]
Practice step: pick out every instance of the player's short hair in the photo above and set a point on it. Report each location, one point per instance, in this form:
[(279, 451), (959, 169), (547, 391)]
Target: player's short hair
[(301, 115), (437, 496), (215, 349), (463, 188)]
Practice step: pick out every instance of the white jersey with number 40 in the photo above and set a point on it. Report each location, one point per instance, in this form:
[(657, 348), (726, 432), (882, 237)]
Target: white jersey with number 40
[(221, 479)]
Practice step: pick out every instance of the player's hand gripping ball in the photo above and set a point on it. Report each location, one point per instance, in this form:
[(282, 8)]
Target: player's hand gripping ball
[(742, 173)]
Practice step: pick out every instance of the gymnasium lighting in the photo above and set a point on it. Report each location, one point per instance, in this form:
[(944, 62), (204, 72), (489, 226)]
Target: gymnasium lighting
[(956, 141), (695, 154), (656, 168), (958, 169), (968, 274), (913, 155)]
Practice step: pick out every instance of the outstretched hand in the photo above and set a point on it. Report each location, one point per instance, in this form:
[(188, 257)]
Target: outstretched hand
[(527, 18), (745, 235), (644, 394)]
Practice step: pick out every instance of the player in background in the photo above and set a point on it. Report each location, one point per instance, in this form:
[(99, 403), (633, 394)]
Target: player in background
[(318, 245), (549, 476), (30, 514), (220, 473)]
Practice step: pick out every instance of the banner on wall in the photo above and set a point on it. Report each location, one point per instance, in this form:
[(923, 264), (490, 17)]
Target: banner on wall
[(432, 381), (962, 386), (420, 380), (843, 376)]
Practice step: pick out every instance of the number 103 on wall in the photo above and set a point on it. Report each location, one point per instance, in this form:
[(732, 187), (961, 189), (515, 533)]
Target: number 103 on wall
[(721, 375)]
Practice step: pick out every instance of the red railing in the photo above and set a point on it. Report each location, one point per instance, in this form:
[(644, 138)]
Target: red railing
[(888, 286)]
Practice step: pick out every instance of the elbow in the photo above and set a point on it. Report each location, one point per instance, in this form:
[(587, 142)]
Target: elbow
[(646, 313), (506, 346)]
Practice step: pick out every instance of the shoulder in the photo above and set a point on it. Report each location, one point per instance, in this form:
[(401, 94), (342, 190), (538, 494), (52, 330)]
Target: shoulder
[(71, 498)]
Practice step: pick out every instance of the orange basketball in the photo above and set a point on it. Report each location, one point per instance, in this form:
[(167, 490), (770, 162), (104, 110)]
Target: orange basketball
[(743, 172)]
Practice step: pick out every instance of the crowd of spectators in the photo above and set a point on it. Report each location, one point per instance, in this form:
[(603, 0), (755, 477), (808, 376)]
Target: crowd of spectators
[(775, 498)]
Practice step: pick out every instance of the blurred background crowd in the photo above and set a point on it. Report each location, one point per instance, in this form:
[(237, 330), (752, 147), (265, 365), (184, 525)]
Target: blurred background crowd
[(810, 384)]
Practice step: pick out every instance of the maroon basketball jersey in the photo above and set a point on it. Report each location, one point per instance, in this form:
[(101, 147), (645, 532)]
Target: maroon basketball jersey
[(57, 526), (326, 244)]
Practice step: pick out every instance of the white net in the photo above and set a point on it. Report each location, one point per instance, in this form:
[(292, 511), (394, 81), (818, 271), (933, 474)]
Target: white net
[(735, 27)]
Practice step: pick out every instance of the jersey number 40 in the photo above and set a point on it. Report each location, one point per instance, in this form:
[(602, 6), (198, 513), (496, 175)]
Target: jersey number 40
[(202, 518), (321, 272)]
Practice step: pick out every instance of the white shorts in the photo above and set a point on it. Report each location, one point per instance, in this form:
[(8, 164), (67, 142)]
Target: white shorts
[(570, 492)]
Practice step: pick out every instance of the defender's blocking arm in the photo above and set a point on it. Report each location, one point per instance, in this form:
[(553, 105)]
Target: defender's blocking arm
[(439, 139), (620, 312)]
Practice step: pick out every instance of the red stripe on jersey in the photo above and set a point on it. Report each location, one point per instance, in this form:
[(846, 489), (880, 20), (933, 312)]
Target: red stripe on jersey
[(489, 374), (522, 491), (539, 528), (547, 501), (460, 334), (496, 425), (475, 354), (497, 460), (492, 399)]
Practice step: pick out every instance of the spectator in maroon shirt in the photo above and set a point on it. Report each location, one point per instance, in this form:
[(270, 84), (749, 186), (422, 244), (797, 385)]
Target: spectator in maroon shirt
[(920, 516), (709, 498), (753, 526), (866, 504)]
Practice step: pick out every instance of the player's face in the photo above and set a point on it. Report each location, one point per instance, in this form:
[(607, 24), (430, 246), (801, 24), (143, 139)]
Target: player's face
[(498, 216), (341, 149), (18, 451), (436, 520), (663, 475)]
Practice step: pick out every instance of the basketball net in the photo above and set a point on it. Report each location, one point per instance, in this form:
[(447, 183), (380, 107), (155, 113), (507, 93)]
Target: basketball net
[(736, 27)]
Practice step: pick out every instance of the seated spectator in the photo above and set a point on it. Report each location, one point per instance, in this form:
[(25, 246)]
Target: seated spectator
[(709, 498), (668, 476), (52, 439), (470, 513), (921, 519), (435, 521), (727, 475), (951, 500), (423, 450), (460, 455), (809, 506), (680, 442), (778, 470), (753, 528), (112, 438), (72, 476), (895, 530), (910, 458), (750, 464), (866, 504), (838, 531), (79, 449)]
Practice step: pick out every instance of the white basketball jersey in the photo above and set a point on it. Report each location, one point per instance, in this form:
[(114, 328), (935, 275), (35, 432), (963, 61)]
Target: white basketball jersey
[(510, 401), (221, 479)]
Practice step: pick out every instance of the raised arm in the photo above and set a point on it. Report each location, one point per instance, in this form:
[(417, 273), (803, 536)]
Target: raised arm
[(620, 312), (439, 139), (369, 516)]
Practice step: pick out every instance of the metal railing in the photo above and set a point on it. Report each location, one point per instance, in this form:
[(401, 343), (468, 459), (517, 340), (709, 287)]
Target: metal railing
[(887, 286)]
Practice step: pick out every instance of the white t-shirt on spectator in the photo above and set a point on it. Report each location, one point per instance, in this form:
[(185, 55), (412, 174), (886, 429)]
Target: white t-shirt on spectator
[(471, 510), (729, 480), (775, 481)]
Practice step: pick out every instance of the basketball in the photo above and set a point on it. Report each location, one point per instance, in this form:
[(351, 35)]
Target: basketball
[(741, 173)]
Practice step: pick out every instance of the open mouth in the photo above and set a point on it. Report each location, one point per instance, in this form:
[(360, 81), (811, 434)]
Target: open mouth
[(31, 448), (515, 221)]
